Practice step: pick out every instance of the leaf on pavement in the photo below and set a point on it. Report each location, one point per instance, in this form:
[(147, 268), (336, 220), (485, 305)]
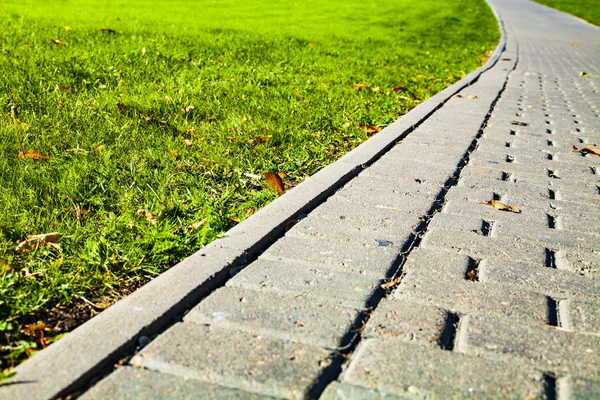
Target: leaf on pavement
[(32, 154), (370, 129), (390, 283), (275, 180), (586, 150), (34, 241), (498, 205), (148, 215), (518, 123), (466, 96)]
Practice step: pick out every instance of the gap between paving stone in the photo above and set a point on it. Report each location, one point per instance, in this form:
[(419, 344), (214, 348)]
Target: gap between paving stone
[(90, 351)]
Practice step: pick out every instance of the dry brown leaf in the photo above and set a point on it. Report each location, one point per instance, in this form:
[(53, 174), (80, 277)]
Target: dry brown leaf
[(107, 30), (282, 175), (275, 180), (390, 283), (260, 139), (119, 106), (146, 118), (518, 123), (370, 129), (34, 241), (32, 154), (498, 205), (148, 215), (58, 42), (586, 150), (472, 275), (361, 86)]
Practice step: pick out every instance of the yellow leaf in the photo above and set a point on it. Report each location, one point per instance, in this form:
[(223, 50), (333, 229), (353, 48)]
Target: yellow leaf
[(32, 154), (361, 86), (370, 129), (58, 42), (148, 215), (35, 241), (586, 150), (100, 148), (68, 28), (498, 205)]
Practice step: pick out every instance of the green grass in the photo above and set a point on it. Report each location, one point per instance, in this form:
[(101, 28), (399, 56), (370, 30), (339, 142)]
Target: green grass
[(586, 9), (272, 89)]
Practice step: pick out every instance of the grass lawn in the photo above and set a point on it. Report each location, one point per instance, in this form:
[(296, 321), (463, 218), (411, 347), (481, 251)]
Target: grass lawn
[(586, 9), (139, 131)]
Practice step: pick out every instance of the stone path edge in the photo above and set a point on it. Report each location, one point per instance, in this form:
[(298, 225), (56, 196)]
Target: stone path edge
[(72, 363)]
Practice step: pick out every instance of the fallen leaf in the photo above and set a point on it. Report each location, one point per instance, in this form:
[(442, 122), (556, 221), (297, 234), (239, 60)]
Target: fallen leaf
[(361, 86), (399, 89), (58, 42), (583, 73), (251, 211), (64, 89), (390, 283), (282, 175), (119, 106), (370, 129), (148, 215), (107, 30), (34, 241), (376, 90), (188, 142), (313, 45), (574, 44), (146, 118), (275, 180), (189, 109), (518, 123), (472, 275), (260, 139), (100, 148), (586, 150), (32, 154), (505, 59), (68, 28), (498, 205), (467, 96)]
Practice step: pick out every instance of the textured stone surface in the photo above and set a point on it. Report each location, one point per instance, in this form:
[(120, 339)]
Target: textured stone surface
[(234, 359), (129, 383)]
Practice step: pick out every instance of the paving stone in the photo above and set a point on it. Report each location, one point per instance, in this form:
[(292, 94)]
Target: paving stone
[(342, 391), (539, 346), (435, 373), (367, 182), (578, 388), (235, 359), (349, 253), (582, 316), (422, 283), (129, 383), (301, 319), (408, 321), (336, 286)]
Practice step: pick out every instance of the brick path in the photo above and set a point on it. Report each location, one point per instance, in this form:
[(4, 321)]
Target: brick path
[(401, 284)]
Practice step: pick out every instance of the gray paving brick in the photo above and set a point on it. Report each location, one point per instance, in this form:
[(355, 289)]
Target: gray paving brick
[(539, 346), (336, 286), (343, 391), (407, 203), (408, 321), (234, 359), (578, 388), (435, 373), (301, 319), (582, 316), (129, 383)]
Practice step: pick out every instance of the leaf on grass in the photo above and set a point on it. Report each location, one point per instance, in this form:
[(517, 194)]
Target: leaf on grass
[(251, 211), (107, 30), (370, 129), (148, 215), (146, 118), (64, 88), (260, 139), (586, 150), (518, 123), (275, 180), (188, 109), (68, 28), (119, 106), (58, 42), (361, 86), (376, 90), (32, 154), (100, 148), (313, 45), (35, 241), (498, 205), (399, 89), (466, 96)]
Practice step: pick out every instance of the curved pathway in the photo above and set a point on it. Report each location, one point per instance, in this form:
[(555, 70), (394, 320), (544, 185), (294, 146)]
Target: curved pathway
[(403, 283)]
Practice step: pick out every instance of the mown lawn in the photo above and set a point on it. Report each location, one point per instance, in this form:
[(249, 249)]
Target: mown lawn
[(139, 131), (586, 9)]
